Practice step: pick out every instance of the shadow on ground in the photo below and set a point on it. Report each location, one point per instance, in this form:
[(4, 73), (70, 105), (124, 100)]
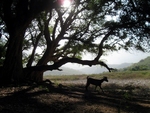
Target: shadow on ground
[(70, 99)]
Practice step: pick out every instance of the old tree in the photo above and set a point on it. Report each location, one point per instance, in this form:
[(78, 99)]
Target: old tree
[(41, 35)]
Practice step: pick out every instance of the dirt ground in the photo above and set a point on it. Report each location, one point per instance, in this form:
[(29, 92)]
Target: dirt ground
[(68, 97)]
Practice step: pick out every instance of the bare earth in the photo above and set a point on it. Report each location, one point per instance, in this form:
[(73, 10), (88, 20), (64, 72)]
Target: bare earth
[(128, 96)]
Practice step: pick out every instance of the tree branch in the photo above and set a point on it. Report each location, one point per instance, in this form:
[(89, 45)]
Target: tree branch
[(63, 61), (101, 45)]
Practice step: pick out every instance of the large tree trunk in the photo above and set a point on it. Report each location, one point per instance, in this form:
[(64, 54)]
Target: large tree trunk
[(17, 15), (37, 76), (12, 68)]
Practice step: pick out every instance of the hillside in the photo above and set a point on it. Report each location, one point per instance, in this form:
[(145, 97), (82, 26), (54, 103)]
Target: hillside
[(143, 64), (99, 69)]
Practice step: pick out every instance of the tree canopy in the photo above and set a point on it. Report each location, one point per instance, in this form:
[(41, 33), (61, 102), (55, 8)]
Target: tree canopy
[(45, 35)]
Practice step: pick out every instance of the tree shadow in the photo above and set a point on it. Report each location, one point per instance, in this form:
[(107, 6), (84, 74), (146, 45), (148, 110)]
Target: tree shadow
[(46, 98), (123, 100)]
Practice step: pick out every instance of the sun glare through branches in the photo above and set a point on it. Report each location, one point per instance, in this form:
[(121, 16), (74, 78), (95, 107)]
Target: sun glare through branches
[(65, 3)]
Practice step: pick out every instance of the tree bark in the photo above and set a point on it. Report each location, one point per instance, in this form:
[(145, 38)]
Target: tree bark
[(37, 75), (12, 68)]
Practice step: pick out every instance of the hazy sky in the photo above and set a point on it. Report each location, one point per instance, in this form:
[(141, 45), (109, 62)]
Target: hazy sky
[(125, 57), (116, 58)]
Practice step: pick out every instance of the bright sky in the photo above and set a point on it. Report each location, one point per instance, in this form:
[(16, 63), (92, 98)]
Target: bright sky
[(125, 57), (116, 58)]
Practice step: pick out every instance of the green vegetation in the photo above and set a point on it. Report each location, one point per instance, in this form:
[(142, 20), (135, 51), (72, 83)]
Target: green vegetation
[(129, 75), (143, 64)]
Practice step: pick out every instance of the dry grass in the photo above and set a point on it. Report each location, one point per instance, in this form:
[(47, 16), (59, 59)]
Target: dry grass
[(112, 75), (68, 95)]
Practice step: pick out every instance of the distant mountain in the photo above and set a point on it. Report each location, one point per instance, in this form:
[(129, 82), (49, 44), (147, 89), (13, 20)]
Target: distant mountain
[(143, 64), (88, 70), (65, 71), (99, 69)]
